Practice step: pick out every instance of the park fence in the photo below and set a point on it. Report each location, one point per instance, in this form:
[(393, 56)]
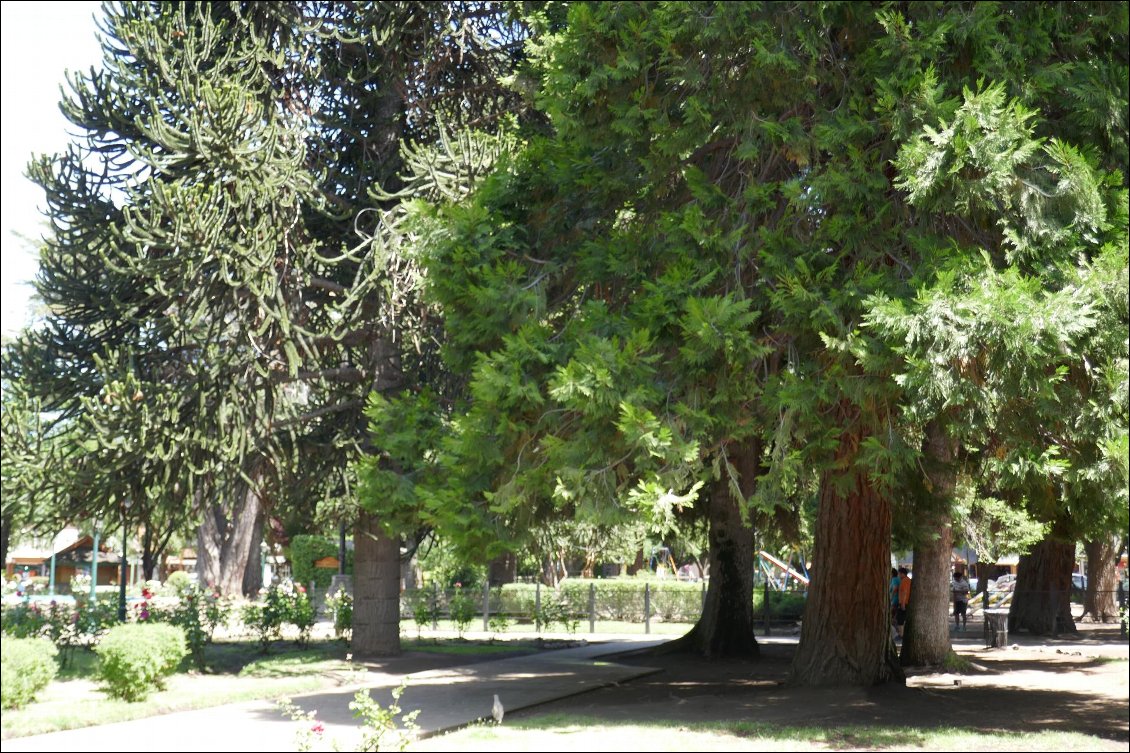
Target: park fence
[(580, 605)]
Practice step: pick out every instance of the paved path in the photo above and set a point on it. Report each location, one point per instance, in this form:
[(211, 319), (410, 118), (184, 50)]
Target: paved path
[(447, 699)]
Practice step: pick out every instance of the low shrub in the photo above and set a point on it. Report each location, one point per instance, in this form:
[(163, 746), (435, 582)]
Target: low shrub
[(462, 610), (136, 658), (27, 665), (423, 605), (339, 606), (197, 611), (177, 582), (285, 603)]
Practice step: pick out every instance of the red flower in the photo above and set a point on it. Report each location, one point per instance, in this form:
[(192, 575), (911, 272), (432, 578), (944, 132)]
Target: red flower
[(317, 728)]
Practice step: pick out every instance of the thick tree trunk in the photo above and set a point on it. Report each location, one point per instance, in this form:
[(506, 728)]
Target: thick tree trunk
[(845, 637), (725, 628), (926, 637), (503, 569), (1099, 600), (1041, 603), (376, 590), (224, 543)]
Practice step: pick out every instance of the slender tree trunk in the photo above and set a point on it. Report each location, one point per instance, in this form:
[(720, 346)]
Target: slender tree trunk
[(5, 536), (1041, 603), (845, 637), (253, 569), (636, 566), (409, 574), (148, 556), (376, 590), (1099, 602), (224, 543), (725, 628), (927, 638)]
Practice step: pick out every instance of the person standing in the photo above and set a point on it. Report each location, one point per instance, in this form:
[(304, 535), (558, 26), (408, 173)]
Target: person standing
[(904, 600), (960, 589)]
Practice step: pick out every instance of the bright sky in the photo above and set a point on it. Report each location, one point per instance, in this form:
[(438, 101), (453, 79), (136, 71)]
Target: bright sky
[(40, 41)]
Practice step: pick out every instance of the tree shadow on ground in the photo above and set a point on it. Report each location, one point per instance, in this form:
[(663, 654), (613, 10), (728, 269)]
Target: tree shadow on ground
[(1007, 692)]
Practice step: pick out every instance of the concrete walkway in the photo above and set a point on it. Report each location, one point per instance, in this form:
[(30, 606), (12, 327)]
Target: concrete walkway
[(446, 698)]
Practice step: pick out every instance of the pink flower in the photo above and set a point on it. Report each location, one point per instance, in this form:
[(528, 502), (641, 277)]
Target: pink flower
[(301, 589), (317, 728), (458, 584)]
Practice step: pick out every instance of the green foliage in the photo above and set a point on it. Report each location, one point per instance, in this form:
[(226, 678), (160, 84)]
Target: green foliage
[(443, 564), (993, 527), (136, 658), (68, 626), (198, 611), (383, 727), (27, 665)]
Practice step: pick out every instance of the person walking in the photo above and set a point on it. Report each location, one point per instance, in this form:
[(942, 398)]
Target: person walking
[(960, 589), (893, 597)]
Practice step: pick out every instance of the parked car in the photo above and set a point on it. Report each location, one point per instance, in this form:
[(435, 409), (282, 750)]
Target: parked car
[(1079, 581)]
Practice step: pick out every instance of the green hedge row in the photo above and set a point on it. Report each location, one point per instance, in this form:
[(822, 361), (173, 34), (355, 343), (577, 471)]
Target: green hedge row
[(620, 599)]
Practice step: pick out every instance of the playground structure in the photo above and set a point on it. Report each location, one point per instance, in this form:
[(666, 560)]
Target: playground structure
[(662, 560), (779, 575)]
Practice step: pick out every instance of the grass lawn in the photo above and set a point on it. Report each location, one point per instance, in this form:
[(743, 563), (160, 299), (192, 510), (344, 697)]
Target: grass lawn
[(567, 732), (235, 671)]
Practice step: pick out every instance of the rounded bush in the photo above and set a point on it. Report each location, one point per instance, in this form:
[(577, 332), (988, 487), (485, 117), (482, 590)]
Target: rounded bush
[(137, 658), (26, 666), (177, 582)]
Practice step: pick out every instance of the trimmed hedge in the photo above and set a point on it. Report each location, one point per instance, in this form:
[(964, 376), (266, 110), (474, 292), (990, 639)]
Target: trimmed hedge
[(27, 665), (306, 550), (137, 658), (622, 599)]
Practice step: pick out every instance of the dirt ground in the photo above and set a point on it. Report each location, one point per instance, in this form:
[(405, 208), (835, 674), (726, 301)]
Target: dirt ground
[(1075, 684)]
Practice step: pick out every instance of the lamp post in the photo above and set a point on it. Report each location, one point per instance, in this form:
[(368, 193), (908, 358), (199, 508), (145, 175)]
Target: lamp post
[(51, 583), (122, 577), (94, 564), (341, 548), (263, 573)]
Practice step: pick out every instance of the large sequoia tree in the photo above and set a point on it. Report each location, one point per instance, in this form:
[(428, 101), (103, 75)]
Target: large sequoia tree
[(729, 191)]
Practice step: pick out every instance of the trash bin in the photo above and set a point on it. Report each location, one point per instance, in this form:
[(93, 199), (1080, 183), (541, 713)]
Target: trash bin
[(996, 625)]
